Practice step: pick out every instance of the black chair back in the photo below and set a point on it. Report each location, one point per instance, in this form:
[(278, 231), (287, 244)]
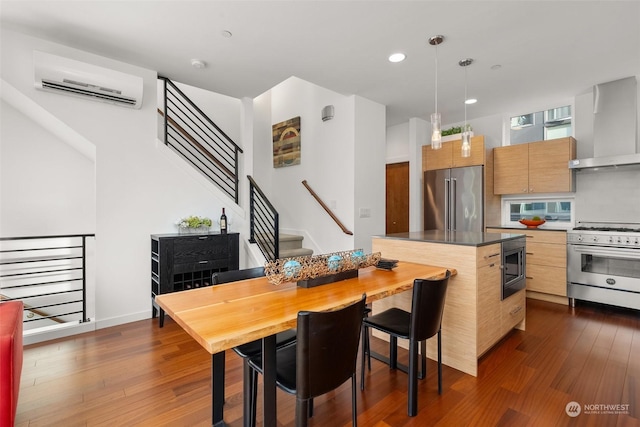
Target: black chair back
[(427, 306), (235, 275), (327, 348)]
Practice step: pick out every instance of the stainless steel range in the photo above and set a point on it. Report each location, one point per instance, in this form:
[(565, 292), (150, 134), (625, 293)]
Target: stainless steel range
[(603, 264)]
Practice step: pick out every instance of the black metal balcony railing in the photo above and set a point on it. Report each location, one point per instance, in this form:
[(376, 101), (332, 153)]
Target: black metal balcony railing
[(263, 222), (196, 138), (48, 274)]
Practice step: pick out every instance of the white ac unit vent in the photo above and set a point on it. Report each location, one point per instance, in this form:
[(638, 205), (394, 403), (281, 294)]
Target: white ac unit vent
[(70, 77)]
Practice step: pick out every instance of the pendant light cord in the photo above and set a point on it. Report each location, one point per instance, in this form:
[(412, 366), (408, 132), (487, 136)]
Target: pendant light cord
[(465, 100), (436, 79)]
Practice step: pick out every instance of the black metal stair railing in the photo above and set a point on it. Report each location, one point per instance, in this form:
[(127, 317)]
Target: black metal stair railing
[(48, 274), (263, 222), (197, 139)]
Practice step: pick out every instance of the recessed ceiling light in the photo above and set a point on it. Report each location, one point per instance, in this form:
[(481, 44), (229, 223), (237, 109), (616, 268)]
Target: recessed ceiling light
[(226, 33), (198, 63), (496, 67), (397, 57), (470, 101)]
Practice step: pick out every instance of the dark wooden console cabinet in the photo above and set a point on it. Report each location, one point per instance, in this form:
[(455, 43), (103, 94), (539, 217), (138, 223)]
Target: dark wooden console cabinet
[(186, 261)]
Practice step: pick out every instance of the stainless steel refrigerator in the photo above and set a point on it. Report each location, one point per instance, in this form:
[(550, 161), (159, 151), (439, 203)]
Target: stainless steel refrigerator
[(453, 199)]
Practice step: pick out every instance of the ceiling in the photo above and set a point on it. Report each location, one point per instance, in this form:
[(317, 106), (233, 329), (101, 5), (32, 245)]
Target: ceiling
[(527, 54)]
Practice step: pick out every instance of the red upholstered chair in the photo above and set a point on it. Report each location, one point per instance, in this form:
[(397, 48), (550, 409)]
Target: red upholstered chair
[(10, 359)]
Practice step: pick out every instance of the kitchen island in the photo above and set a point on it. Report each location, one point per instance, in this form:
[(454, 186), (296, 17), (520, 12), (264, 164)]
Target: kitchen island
[(475, 317)]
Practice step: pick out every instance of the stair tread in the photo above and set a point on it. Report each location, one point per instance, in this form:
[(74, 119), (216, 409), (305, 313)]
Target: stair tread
[(289, 237), (289, 253)]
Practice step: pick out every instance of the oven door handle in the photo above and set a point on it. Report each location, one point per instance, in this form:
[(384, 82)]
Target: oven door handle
[(610, 252)]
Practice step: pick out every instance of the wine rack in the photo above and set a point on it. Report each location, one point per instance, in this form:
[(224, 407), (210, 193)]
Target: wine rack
[(181, 262)]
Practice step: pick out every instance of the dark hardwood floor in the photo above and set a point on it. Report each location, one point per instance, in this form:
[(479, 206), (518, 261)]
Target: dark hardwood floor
[(138, 374)]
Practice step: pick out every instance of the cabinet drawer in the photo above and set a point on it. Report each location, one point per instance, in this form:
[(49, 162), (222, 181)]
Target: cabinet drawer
[(550, 280), (546, 254), (557, 237), (191, 250), (486, 255), (513, 311), (211, 264)]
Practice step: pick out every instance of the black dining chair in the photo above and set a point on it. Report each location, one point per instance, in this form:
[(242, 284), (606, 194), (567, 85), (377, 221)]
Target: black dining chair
[(253, 348), (423, 322), (323, 357)]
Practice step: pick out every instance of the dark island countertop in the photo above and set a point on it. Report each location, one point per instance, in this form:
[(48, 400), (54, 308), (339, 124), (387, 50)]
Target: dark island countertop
[(525, 229), (464, 238)]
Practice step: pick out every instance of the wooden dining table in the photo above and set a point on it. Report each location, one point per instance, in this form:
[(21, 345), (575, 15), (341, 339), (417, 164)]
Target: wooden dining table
[(224, 316)]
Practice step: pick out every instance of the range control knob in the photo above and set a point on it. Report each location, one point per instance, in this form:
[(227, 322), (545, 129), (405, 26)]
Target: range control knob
[(619, 239), (610, 239), (628, 241), (595, 238)]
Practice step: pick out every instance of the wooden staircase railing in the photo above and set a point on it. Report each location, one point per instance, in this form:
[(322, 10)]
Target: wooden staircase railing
[(326, 208)]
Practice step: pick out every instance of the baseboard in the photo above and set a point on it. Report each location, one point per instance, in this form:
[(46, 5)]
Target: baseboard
[(58, 332), (557, 299), (120, 320)]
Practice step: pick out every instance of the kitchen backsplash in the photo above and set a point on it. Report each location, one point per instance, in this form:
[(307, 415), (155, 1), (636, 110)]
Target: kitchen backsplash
[(608, 195)]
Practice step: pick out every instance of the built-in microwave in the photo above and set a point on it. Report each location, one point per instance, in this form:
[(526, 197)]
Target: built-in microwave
[(513, 266)]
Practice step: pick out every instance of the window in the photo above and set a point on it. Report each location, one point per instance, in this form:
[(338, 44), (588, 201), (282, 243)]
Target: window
[(541, 125), (555, 211)]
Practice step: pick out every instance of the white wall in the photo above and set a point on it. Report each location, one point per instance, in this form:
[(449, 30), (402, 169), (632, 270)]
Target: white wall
[(140, 186), (47, 187), (397, 146), (328, 163), (369, 159)]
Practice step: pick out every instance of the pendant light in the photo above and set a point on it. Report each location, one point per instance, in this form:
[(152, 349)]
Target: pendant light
[(436, 122), (466, 143)]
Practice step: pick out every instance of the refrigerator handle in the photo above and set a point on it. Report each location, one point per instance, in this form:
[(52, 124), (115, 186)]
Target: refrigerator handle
[(453, 207), (447, 185)]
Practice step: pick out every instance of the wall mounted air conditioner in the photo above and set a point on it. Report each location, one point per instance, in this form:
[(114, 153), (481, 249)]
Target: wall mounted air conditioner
[(70, 77)]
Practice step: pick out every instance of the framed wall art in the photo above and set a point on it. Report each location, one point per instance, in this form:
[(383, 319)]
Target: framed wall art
[(286, 143)]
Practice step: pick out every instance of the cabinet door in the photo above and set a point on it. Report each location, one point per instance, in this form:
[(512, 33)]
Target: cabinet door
[(489, 311), (437, 159), (548, 166), (510, 169), (477, 153)]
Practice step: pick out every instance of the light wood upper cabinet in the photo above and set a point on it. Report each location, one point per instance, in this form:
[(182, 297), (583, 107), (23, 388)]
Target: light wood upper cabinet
[(537, 167), (449, 156), (511, 169), (549, 165), (437, 159)]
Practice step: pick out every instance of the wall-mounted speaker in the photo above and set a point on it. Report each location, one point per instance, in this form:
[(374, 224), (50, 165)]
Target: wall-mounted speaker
[(327, 113)]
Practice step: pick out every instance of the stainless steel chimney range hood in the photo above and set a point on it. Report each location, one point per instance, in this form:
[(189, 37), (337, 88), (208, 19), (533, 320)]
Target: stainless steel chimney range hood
[(606, 162), (614, 126)]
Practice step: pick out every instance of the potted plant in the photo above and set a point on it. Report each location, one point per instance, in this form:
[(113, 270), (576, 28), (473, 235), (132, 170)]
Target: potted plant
[(455, 132), (194, 224)]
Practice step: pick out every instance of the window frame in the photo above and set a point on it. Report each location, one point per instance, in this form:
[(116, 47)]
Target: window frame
[(564, 225)]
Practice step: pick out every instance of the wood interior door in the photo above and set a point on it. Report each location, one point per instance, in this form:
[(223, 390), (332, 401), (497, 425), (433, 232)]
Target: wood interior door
[(397, 198)]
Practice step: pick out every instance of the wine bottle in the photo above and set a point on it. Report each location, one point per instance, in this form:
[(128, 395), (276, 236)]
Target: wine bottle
[(223, 222)]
